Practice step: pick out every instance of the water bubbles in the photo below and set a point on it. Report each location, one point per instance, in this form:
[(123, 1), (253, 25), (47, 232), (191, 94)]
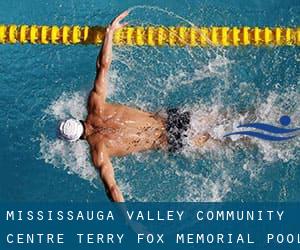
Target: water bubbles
[(221, 88)]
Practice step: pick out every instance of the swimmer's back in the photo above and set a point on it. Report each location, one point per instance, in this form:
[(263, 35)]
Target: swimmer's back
[(126, 130)]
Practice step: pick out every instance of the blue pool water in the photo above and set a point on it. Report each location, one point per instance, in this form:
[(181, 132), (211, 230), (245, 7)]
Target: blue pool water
[(42, 84)]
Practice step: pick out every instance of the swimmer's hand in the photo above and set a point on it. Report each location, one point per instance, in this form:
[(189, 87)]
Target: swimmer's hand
[(115, 24)]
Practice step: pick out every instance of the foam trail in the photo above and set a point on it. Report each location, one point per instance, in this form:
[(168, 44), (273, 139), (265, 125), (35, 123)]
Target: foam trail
[(217, 122), (194, 187), (213, 116)]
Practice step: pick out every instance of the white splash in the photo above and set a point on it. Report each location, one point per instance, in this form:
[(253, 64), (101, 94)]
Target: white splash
[(197, 187), (139, 67), (68, 105), (217, 120), (72, 157)]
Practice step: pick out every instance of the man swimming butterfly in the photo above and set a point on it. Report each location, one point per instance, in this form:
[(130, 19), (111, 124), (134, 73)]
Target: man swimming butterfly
[(117, 130)]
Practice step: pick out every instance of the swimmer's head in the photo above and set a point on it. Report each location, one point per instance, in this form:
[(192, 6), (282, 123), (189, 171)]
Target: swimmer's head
[(70, 129)]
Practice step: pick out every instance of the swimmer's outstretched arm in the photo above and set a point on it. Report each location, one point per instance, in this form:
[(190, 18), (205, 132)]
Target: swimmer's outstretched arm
[(105, 56), (103, 164)]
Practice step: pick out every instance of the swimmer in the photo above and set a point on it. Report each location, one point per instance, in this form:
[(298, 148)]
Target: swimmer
[(114, 130)]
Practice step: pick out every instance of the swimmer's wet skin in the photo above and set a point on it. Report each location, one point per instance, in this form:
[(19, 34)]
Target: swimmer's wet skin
[(117, 130)]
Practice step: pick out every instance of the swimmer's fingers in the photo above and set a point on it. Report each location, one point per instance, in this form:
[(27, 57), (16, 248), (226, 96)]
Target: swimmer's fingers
[(122, 25), (122, 16), (115, 24)]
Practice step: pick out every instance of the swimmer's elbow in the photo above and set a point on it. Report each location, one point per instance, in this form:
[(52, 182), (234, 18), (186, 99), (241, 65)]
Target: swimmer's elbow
[(105, 63)]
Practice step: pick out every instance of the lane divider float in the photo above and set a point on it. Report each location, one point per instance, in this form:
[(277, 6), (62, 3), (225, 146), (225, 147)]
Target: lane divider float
[(152, 35)]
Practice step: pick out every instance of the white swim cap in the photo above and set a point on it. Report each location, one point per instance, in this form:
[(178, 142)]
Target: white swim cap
[(70, 130)]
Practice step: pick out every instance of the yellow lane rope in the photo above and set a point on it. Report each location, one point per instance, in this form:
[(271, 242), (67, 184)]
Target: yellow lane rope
[(152, 35)]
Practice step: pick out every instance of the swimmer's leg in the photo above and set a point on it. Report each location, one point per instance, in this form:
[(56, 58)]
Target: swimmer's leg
[(200, 140)]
